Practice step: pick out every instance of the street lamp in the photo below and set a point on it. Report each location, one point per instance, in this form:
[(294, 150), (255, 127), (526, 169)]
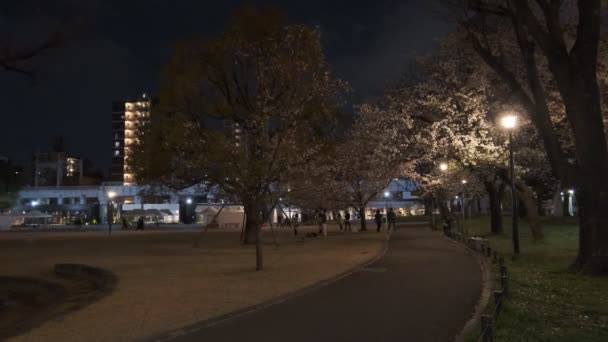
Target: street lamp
[(386, 198), (443, 167), (509, 122), (188, 215), (111, 195), (463, 201)]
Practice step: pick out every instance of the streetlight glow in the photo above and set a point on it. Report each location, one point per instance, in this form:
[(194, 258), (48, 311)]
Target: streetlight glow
[(464, 181), (443, 166), (189, 201), (386, 194), (34, 203), (111, 194), (509, 121)]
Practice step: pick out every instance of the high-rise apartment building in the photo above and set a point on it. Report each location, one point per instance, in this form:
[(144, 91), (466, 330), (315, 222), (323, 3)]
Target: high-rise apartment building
[(127, 119), (56, 169)]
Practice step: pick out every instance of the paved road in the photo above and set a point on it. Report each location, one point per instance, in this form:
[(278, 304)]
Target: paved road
[(424, 289)]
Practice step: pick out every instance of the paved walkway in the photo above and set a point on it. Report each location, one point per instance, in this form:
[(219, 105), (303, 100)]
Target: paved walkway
[(424, 289)]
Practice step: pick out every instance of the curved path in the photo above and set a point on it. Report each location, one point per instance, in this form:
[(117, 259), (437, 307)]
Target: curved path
[(424, 289)]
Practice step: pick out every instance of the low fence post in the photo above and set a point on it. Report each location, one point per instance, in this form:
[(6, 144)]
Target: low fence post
[(498, 298), (503, 270), (504, 282), (486, 328)]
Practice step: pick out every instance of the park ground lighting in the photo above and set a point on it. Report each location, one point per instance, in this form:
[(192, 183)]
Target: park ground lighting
[(509, 122), (464, 181), (443, 167)]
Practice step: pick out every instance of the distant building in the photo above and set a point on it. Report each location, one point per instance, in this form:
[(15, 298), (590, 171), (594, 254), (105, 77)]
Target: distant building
[(127, 119), (56, 169)]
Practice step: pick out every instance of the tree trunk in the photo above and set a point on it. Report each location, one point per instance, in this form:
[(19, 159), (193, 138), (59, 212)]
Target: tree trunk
[(495, 193), (593, 232), (253, 223), (362, 217), (253, 230), (526, 197), (259, 257), (540, 206)]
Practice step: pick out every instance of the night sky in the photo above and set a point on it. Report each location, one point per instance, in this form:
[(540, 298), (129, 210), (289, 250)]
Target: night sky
[(124, 44)]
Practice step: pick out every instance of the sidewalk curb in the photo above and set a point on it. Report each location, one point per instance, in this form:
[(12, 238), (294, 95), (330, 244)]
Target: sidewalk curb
[(486, 291), (261, 306)]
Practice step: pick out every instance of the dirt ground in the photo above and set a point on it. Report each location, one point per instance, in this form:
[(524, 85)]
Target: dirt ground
[(164, 283)]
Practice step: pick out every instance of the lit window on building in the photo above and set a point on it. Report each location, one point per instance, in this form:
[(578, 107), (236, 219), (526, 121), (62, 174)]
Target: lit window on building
[(117, 144), (117, 153)]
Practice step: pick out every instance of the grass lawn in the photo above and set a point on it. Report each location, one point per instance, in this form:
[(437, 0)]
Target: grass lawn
[(547, 302), (164, 283)]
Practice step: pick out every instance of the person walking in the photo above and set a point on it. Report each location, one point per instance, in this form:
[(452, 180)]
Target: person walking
[(324, 222), (318, 216), (125, 224), (140, 224), (296, 223), (378, 219), (390, 219), (339, 219), (347, 221)]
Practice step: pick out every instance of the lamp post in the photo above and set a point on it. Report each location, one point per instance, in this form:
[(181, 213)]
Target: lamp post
[(463, 202), (443, 167), (111, 195), (188, 202), (386, 198), (509, 122)]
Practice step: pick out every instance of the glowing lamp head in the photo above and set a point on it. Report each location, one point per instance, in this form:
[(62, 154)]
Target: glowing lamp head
[(443, 166), (387, 194), (111, 194), (464, 181), (34, 203), (508, 121), (189, 201)]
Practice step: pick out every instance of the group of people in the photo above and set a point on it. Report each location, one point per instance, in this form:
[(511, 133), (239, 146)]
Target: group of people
[(344, 223), (285, 222), (139, 225), (390, 219)]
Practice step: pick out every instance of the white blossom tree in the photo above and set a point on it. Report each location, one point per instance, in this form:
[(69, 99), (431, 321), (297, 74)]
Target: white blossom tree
[(556, 41)]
